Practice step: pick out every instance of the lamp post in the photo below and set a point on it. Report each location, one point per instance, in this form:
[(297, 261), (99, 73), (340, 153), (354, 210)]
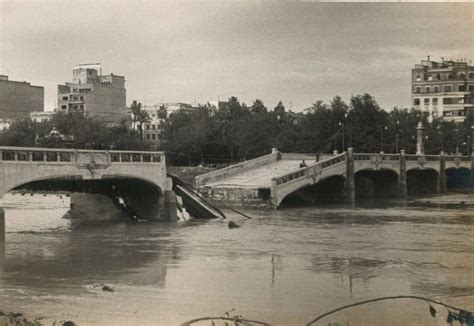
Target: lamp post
[(381, 138), (343, 132), (396, 136), (440, 132)]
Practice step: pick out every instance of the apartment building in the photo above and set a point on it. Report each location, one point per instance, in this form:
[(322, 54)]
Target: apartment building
[(18, 99), (443, 89), (102, 97)]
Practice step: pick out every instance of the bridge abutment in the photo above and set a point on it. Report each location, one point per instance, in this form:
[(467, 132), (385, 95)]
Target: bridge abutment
[(402, 178), (350, 177), (169, 206)]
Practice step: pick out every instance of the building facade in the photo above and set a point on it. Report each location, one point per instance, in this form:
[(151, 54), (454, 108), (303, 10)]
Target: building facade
[(44, 116), (443, 89), (18, 99), (152, 130), (102, 97)]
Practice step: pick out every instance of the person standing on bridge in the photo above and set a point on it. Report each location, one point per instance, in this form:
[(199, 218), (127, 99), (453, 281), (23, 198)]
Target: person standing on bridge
[(303, 164)]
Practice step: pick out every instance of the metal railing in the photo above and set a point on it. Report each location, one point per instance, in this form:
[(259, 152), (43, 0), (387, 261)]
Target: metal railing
[(73, 156)]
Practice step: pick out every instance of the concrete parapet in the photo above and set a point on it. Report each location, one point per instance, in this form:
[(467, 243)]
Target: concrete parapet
[(237, 168), (307, 157)]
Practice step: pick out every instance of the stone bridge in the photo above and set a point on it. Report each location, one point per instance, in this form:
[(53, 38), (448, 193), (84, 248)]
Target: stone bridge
[(266, 181), (141, 176)]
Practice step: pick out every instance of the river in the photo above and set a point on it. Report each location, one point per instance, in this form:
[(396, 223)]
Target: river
[(284, 267)]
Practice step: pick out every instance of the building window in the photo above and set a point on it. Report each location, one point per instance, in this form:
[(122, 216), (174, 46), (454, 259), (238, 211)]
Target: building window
[(471, 88), (153, 126), (81, 106), (450, 77), (460, 100), (418, 90), (65, 98), (416, 101), (447, 88), (438, 77), (147, 127), (461, 88), (447, 113), (148, 136), (64, 107), (418, 77), (426, 101), (436, 89), (471, 75), (447, 100), (462, 76), (434, 100), (81, 98), (461, 113), (430, 77), (428, 89), (153, 136)]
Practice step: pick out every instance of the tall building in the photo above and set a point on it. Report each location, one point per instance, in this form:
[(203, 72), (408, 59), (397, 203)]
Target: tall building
[(18, 99), (102, 97), (443, 89)]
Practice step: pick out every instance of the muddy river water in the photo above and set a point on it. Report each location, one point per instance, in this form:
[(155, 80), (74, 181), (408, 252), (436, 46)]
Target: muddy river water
[(284, 267)]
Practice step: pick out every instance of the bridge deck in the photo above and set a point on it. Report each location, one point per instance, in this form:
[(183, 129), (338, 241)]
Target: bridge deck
[(260, 177)]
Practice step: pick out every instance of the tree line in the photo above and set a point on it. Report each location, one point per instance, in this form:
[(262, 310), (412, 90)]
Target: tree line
[(235, 131)]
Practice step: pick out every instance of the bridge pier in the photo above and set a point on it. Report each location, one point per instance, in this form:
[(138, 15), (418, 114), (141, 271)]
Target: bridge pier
[(170, 204), (350, 177), (402, 178), (442, 173)]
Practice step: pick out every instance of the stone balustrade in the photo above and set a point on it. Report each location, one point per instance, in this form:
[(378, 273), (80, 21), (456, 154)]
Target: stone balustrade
[(73, 156)]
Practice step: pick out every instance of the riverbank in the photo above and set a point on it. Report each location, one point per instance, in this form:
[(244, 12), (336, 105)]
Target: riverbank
[(460, 198)]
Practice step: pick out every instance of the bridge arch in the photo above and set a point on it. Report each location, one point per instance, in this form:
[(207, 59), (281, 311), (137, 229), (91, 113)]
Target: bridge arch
[(422, 181), (459, 178), (329, 189), (140, 176), (370, 183)]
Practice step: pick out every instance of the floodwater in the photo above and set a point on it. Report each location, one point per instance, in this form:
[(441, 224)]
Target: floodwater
[(283, 267)]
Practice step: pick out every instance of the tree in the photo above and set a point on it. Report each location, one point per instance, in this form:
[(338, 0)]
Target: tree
[(368, 123), (258, 107), (140, 116), (279, 110)]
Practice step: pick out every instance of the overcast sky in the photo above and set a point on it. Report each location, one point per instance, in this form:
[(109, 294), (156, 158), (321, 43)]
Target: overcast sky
[(297, 53)]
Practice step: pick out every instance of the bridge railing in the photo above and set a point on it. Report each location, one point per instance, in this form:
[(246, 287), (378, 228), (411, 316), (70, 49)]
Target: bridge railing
[(72, 156), (378, 157), (457, 157), (309, 170)]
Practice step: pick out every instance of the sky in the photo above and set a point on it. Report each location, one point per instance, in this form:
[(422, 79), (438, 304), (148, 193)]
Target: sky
[(192, 52)]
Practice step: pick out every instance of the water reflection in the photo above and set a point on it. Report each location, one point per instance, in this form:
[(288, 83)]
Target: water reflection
[(284, 267)]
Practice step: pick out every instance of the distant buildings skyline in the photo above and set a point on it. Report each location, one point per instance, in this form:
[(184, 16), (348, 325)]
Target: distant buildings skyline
[(296, 53)]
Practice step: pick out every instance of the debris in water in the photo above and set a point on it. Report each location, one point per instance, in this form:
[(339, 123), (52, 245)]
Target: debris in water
[(107, 288), (233, 225)]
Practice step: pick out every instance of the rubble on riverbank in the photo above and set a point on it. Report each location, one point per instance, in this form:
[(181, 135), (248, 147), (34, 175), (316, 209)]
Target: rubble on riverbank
[(18, 319)]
